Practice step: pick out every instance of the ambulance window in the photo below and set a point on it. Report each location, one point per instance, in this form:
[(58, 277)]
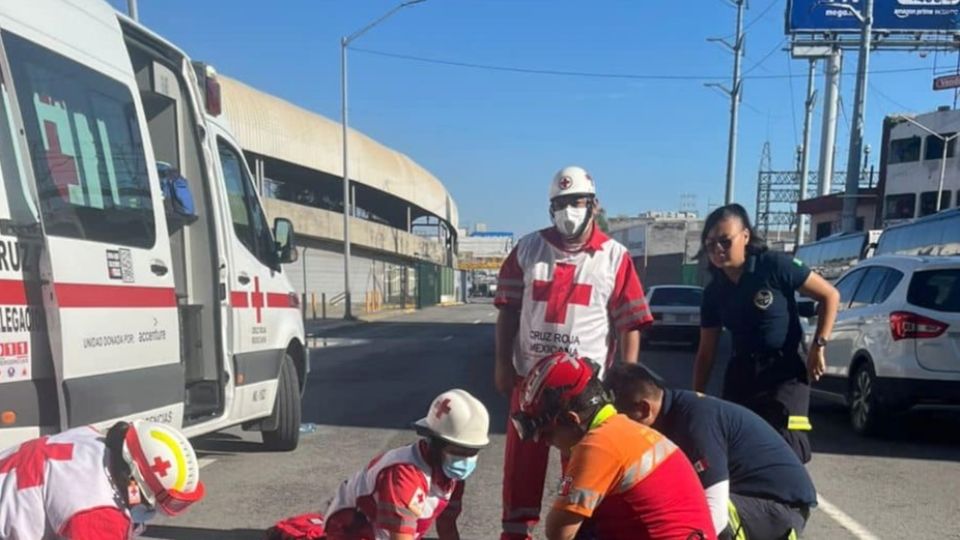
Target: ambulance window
[(86, 148), (22, 210), (249, 223)]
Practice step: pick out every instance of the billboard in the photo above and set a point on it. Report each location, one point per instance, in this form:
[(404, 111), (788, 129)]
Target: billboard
[(897, 16)]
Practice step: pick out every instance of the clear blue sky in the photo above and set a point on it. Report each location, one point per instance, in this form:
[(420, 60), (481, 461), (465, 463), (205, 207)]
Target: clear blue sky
[(495, 138)]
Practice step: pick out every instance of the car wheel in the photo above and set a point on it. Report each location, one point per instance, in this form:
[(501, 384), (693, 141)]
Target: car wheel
[(287, 434), (867, 414)]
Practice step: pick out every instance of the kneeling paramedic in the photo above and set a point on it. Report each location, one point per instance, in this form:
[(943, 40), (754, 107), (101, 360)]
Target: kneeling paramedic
[(630, 481), (82, 485), (402, 492), (756, 486)]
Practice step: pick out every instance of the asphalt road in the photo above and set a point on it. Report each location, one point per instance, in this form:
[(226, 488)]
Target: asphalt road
[(369, 381)]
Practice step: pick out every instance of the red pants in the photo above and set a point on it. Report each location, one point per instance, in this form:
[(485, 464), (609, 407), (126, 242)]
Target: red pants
[(524, 472)]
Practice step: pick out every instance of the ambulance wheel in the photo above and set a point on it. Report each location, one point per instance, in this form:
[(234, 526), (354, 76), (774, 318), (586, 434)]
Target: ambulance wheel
[(287, 406)]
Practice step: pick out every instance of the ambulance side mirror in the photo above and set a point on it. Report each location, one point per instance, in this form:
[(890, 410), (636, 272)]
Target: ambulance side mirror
[(284, 237), (807, 308)]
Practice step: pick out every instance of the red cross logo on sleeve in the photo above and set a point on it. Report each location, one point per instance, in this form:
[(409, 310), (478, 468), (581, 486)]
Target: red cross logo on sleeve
[(442, 408), (561, 292), (31, 458)]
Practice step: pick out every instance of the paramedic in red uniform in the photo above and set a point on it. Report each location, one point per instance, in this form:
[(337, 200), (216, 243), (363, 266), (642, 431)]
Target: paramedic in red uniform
[(401, 493), (567, 287), (82, 485)]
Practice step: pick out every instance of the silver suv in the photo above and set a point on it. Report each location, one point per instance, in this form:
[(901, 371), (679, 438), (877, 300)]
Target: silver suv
[(896, 342)]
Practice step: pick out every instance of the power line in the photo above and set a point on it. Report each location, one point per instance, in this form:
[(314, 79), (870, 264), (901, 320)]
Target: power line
[(757, 19), (793, 103), (599, 75), (760, 62), (888, 98)]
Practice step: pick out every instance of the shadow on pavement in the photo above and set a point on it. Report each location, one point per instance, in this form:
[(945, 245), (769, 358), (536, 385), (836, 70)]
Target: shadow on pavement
[(225, 444), (921, 434), (389, 380), (194, 533)]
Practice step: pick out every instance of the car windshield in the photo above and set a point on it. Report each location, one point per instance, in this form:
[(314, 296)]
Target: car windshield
[(675, 296)]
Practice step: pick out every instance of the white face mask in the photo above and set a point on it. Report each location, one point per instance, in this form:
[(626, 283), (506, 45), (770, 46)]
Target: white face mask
[(568, 220)]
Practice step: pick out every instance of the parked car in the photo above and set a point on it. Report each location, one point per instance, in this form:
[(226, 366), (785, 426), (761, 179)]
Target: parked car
[(676, 314), (896, 342)]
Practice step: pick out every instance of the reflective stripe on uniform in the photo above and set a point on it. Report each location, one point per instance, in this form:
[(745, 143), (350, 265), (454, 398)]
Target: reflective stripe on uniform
[(736, 528), (525, 529), (584, 498), (799, 423)]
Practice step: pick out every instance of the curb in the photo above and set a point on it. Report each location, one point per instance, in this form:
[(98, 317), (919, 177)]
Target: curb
[(373, 317)]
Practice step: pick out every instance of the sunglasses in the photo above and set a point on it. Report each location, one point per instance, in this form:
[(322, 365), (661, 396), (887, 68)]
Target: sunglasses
[(724, 243), (529, 427), (571, 200)]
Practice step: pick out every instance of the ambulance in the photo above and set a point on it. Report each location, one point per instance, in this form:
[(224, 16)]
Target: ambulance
[(113, 303)]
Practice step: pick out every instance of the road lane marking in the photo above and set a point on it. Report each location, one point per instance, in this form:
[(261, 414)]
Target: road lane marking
[(203, 462), (447, 338), (476, 321), (844, 520)]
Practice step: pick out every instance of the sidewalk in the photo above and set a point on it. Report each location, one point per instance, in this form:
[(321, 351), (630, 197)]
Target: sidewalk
[(335, 320)]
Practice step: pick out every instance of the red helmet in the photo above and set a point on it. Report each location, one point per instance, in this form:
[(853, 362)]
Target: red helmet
[(549, 388)]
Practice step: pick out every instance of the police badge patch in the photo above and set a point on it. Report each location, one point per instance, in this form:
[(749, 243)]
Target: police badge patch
[(763, 299)]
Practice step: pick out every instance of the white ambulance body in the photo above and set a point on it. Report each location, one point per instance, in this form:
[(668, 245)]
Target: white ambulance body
[(113, 306)]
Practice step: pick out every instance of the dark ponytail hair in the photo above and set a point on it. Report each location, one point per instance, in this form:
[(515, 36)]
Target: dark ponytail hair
[(755, 245), (118, 467)]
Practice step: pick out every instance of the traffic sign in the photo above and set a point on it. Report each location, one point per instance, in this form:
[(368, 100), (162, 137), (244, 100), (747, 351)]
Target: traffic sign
[(946, 82)]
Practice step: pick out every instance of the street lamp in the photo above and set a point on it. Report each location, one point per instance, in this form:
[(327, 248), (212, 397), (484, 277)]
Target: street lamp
[(943, 158), (347, 203)]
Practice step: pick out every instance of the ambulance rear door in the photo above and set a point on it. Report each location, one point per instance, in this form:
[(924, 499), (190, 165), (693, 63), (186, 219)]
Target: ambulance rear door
[(105, 270)]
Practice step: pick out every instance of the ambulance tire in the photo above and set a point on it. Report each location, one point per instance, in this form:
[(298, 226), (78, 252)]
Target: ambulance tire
[(287, 435)]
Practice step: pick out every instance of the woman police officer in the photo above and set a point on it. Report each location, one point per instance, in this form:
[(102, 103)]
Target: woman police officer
[(752, 294)]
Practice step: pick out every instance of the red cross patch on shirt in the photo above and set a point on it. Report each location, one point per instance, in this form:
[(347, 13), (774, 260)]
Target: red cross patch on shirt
[(31, 458)]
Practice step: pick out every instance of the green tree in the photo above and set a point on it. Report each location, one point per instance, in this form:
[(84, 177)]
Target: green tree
[(602, 221)]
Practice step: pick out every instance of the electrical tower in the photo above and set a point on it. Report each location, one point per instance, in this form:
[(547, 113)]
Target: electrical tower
[(688, 202), (779, 191)]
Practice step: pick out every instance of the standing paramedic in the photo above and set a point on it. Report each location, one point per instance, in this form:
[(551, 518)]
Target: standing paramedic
[(753, 294), (564, 288)]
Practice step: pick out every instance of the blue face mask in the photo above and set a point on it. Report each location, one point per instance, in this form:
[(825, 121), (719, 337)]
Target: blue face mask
[(142, 514), (458, 467)]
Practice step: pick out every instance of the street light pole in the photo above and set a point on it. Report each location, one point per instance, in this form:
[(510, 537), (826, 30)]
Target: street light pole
[(347, 202), (943, 156)]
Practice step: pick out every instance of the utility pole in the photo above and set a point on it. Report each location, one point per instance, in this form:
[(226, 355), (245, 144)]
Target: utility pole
[(735, 93), (831, 101), (849, 214), (348, 209), (132, 10), (805, 149)]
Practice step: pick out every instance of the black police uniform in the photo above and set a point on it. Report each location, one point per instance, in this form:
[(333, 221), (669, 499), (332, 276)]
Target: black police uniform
[(766, 373), (769, 487)]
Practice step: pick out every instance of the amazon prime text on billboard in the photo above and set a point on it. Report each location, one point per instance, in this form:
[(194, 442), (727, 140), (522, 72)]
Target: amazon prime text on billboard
[(888, 16)]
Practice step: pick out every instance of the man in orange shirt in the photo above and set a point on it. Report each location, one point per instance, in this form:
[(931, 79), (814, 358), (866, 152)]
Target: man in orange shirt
[(631, 481)]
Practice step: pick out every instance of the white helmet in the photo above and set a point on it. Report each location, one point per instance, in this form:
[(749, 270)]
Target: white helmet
[(458, 418), (572, 180), (164, 465)]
